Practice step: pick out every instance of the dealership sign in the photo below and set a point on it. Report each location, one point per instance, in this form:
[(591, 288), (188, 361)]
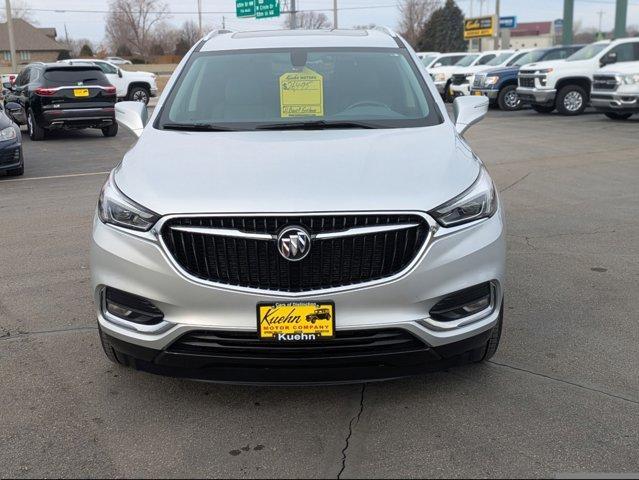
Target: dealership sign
[(479, 27)]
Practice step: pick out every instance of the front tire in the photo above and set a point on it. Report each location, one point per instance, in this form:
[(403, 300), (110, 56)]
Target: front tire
[(110, 131), (572, 100), (542, 108), (139, 94), (36, 132), (508, 100), (448, 98), (618, 116)]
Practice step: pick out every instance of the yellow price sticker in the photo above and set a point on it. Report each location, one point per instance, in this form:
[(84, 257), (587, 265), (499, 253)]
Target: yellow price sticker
[(302, 94)]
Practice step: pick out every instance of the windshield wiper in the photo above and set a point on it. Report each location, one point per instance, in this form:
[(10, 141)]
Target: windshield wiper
[(197, 127), (313, 125)]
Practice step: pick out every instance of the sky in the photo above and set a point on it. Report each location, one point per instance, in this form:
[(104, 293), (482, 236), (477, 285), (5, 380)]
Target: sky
[(90, 23)]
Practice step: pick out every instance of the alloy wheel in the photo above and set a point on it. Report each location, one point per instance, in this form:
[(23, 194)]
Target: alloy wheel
[(512, 100), (573, 101)]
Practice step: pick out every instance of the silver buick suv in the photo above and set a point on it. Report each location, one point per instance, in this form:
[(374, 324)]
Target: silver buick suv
[(299, 208)]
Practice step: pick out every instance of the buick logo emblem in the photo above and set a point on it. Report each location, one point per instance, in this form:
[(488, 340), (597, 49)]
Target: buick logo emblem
[(294, 243)]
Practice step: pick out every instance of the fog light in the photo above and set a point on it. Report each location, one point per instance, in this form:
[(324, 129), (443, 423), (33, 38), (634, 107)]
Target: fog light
[(131, 308), (463, 303)]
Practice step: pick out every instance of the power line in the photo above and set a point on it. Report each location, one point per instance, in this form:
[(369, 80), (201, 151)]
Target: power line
[(204, 12)]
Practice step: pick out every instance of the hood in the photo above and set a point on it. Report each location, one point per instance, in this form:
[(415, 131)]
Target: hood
[(448, 69), (501, 71), (471, 70), (623, 67), (552, 64), (296, 171)]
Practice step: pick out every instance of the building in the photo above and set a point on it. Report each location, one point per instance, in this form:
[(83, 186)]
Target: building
[(533, 35), (33, 44)]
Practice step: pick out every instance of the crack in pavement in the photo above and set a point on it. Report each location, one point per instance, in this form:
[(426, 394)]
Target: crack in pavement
[(514, 183), (19, 334), (567, 382), (354, 421)]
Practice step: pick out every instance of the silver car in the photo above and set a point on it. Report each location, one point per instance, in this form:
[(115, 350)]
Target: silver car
[(299, 208)]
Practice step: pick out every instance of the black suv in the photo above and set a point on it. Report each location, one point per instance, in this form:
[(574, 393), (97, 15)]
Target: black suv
[(56, 96)]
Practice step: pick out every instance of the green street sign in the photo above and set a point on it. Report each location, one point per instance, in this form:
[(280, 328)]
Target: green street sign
[(267, 8), (245, 8)]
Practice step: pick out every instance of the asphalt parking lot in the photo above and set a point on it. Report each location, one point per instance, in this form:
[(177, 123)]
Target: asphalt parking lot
[(560, 396)]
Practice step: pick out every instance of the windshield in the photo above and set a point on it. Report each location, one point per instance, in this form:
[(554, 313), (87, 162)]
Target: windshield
[(530, 57), (427, 60), (318, 87), (466, 61), (499, 59), (587, 52)]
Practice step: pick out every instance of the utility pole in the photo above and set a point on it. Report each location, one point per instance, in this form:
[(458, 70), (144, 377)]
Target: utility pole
[(293, 14), (335, 14), (223, 22), (621, 15), (569, 10), (12, 41), (600, 32), (496, 25), (199, 16)]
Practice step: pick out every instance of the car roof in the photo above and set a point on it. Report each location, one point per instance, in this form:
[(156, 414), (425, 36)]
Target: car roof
[(299, 38)]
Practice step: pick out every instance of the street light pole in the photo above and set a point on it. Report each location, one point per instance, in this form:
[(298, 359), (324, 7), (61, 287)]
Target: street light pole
[(199, 16), (335, 14), (497, 25), (12, 41), (293, 14)]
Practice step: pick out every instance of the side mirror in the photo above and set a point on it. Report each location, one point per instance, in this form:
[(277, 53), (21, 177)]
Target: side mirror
[(16, 112), (132, 115), (608, 58), (120, 72), (438, 64), (467, 111)]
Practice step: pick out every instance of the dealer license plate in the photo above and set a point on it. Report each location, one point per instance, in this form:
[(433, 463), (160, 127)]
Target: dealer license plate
[(80, 92), (296, 321)]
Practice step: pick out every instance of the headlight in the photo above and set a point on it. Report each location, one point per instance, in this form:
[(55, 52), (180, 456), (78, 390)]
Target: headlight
[(630, 79), (545, 70), (479, 201), (8, 133), (117, 209), (491, 80), (440, 77)]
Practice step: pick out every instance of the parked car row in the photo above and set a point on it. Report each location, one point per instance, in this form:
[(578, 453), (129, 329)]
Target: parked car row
[(567, 78)]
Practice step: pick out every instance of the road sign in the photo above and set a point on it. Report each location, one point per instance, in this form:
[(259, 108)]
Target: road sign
[(559, 25), (267, 8), (479, 27), (508, 22), (245, 8)]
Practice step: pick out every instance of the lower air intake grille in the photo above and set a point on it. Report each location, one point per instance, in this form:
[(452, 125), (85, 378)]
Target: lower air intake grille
[(351, 343), (332, 262)]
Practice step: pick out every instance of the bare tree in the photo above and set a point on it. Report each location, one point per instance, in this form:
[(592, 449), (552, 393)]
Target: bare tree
[(19, 9), (413, 16), (131, 24), (309, 21)]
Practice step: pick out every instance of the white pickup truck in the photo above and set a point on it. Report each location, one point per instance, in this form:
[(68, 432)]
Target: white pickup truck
[(136, 86), (615, 90), (442, 74), (565, 85)]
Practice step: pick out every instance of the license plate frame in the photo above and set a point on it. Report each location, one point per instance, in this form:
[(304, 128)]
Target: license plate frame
[(81, 92), (299, 321)]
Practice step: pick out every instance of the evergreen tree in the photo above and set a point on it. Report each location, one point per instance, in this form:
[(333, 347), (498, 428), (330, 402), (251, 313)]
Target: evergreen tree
[(86, 51), (444, 31)]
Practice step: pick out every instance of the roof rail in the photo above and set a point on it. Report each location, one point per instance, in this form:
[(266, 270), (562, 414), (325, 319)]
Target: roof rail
[(391, 33), (219, 31)]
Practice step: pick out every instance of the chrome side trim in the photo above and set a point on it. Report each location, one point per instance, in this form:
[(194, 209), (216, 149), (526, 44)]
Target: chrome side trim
[(226, 232), (365, 230), (229, 232)]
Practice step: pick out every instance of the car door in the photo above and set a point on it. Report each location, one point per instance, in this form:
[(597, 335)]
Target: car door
[(113, 75)]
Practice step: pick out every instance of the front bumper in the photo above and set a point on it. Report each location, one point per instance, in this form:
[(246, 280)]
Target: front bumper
[(619, 101), (539, 96), (460, 90), (11, 156), (491, 94), (455, 259)]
